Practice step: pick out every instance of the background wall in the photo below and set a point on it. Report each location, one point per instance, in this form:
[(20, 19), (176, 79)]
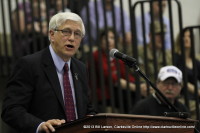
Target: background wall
[(190, 15)]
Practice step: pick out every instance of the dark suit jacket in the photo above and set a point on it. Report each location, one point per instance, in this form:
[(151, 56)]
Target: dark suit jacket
[(34, 93)]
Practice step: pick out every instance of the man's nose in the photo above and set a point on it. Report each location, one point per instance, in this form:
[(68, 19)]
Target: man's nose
[(72, 37), (170, 86)]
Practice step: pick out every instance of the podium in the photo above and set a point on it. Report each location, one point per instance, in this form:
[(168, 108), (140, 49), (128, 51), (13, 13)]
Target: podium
[(124, 123)]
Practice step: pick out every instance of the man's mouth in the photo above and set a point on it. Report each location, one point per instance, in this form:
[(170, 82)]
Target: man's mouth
[(70, 46), (169, 92)]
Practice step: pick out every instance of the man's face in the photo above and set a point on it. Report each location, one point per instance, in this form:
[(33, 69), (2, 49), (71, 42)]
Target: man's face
[(65, 43), (170, 88)]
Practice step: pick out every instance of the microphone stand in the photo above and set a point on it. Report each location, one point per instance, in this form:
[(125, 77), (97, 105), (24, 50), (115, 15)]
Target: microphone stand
[(137, 69)]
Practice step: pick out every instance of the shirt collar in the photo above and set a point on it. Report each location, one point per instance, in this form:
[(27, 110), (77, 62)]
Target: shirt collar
[(59, 63)]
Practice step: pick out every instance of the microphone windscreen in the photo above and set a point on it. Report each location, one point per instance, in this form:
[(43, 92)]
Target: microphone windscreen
[(112, 52)]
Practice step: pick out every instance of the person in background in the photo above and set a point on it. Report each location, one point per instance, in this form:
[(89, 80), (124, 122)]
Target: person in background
[(30, 27), (179, 61), (101, 55), (92, 22), (188, 60), (150, 51), (59, 6), (147, 21), (50, 87), (169, 82), (25, 12)]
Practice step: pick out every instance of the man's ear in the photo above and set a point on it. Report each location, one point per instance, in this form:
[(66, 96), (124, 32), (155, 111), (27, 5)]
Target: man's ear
[(51, 35)]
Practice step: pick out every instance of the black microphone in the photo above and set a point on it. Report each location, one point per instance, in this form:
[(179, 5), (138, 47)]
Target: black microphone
[(127, 59)]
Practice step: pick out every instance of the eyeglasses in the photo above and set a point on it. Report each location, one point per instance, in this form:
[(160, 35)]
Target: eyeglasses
[(167, 83), (68, 32)]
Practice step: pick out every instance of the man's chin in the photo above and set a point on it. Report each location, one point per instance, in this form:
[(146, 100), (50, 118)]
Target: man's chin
[(170, 97), (70, 53)]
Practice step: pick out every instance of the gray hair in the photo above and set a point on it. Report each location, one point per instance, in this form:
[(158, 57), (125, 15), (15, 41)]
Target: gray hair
[(60, 18)]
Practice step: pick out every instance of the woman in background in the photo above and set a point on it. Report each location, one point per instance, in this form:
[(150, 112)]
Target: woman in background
[(118, 76), (179, 61)]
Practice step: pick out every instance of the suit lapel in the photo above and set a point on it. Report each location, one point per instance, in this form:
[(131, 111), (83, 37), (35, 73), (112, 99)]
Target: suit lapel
[(52, 76), (77, 85)]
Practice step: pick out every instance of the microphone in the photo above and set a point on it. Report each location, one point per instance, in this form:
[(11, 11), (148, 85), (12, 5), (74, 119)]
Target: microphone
[(127, 59)]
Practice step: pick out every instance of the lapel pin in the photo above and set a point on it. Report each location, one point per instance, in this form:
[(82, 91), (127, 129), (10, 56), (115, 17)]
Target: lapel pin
[(76, 76)]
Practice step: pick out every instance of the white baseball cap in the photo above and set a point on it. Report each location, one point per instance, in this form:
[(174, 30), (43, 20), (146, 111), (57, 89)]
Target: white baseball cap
[(170, 71)]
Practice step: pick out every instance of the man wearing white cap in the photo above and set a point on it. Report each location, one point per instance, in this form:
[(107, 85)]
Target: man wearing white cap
[(169, 82)]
